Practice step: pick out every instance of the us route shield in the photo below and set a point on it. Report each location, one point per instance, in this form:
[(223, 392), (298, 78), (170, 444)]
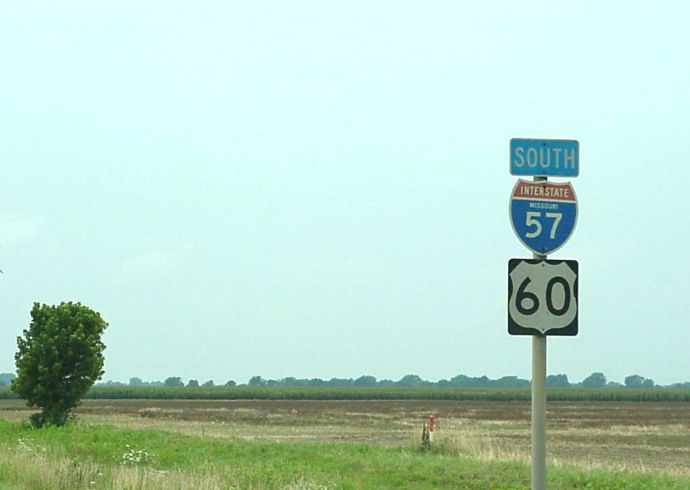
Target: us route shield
[(542, 297)]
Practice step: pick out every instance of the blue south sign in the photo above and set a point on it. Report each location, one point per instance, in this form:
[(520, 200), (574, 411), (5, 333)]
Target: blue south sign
[(543, 214), (557, 158)]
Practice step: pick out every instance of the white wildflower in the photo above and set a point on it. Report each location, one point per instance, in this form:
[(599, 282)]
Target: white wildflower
[(134, 457)]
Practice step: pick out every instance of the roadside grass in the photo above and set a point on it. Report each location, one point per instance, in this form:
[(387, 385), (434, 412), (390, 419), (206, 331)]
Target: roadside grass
[(85, 456)]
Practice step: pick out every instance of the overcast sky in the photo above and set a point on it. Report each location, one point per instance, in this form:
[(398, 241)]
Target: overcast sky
[(321, 189)]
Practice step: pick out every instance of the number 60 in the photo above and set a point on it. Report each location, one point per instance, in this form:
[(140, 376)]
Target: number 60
[(532, 299)]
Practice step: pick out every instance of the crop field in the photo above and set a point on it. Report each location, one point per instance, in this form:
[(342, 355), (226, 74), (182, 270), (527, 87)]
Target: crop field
[(374, 393), (345, 444)]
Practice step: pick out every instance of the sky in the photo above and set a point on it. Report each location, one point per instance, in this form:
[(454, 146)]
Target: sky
[(321, 189)]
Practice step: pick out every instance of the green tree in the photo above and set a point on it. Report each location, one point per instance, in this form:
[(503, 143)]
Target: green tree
[(365, 380), (459, 381), (637, 381), (634, 381), (193, 383), (557, 381), (60, 357), (173, 381), (339, 382), (594, 380), (410, 381)]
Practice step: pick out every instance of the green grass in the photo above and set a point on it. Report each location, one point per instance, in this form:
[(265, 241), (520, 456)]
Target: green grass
[(80, 451), (425, 393)]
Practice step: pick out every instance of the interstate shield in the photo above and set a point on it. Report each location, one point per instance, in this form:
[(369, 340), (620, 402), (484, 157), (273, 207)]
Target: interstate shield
[(543, 214)]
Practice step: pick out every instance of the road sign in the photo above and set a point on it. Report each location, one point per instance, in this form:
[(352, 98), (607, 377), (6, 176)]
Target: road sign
[(543, 214), (558, 158), (542, 297)]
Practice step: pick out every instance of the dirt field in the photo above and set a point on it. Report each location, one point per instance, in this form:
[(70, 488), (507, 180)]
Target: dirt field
[(630, 436)]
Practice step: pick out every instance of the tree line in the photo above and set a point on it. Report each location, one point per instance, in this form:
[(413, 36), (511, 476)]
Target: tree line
[(594, 380)]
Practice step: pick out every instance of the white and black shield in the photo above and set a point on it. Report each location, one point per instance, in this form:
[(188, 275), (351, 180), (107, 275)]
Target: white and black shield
[(542, 297)]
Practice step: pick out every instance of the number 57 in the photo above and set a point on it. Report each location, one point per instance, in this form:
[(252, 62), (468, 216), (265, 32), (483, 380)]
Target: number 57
[(531, 220)]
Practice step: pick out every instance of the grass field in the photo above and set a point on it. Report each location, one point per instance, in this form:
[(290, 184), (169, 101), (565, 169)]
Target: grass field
[(288, 444)]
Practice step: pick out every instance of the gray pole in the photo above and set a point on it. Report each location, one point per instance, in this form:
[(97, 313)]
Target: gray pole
[(539, 401), (538, 412)]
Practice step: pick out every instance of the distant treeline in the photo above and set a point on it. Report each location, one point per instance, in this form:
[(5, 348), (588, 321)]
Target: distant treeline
[(594, 380), (413, 388)]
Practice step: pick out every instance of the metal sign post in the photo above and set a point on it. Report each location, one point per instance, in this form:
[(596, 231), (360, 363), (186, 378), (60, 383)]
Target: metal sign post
[(542, 294), (539, 412), (539, 400)]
